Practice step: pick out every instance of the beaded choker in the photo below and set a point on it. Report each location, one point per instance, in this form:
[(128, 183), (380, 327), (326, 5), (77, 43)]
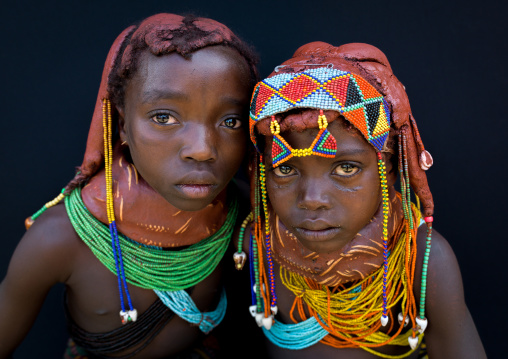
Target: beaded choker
[(152, 267)]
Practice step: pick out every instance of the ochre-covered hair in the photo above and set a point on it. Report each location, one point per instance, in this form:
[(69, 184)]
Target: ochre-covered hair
[(160, 34)]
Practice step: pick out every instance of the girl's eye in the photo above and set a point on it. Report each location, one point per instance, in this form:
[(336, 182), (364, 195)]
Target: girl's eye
[(346, 169), (163, 119), (232, 123), (283, 171)]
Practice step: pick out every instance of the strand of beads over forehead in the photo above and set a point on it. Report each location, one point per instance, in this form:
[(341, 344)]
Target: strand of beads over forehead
[(324, 144)]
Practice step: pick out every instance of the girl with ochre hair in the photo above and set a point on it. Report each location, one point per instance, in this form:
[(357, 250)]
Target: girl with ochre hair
[(342, 265), (137, 236)]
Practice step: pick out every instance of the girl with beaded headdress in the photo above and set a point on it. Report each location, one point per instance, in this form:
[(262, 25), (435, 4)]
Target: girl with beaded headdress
[(338, 258), (138, 234)]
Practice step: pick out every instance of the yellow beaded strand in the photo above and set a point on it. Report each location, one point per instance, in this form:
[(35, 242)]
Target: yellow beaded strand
[(353, 315), (108, 158)]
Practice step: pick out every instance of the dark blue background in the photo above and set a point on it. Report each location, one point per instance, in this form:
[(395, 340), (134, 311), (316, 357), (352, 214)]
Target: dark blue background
[(451, 58)]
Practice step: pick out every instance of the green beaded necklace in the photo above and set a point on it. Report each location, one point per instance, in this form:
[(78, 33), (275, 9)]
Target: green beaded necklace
[(152, 267)]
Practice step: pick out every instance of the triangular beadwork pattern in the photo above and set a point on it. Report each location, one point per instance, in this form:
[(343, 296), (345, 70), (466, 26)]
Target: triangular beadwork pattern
[(326, 144), (280, 151), (326, 89)]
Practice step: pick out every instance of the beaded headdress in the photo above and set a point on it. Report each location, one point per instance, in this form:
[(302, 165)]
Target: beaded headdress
[(356, 81)]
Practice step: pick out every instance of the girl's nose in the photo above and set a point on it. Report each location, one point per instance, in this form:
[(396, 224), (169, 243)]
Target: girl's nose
[(198, 144), (313, 196)]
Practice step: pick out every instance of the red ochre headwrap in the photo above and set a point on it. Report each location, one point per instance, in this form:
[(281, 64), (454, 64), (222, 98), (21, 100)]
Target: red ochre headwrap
[(379, 107)]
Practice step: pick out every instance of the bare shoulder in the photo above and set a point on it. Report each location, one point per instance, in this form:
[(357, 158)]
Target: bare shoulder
[(43, 257), (49, 246), (451, 332)]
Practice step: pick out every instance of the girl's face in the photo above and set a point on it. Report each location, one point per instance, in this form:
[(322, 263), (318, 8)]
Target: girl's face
[(325, 202), (182, 121)]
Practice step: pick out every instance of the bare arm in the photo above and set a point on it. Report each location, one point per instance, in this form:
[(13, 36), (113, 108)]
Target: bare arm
[(42, 258), (451, 332)]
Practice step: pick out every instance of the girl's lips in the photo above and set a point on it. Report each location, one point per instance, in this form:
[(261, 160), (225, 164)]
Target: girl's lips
[(319, 235), (196, 190)]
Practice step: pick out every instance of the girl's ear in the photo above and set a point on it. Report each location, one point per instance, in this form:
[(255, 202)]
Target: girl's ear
[(391, 170), (121, 125)]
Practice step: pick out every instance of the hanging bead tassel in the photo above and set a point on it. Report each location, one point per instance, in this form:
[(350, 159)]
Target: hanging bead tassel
[(267, 322), (421, 321), (384, 191), (240, 257), (130, 315), (30, 220)]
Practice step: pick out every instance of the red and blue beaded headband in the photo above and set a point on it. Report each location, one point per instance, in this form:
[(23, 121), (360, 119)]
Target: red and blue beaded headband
[(323, 88)]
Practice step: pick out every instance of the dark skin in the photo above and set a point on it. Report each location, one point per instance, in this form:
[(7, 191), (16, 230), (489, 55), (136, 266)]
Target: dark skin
[(196, 136), (331, 199)]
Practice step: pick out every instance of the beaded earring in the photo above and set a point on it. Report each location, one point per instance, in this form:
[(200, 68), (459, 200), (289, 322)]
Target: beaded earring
[(131, 314), (324, 144)]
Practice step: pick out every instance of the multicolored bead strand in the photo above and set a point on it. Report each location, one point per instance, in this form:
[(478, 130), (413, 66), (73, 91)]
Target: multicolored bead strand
[(271, 277), (384, 192), (406, 180), (253, 307), (421, 320), (30, 220), (253, 243), (131, 314)]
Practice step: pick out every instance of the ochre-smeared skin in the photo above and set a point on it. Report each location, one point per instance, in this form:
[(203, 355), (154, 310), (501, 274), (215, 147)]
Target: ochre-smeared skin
[(158, 223)]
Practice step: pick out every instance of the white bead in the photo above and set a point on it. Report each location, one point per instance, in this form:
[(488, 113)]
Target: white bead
[(401, 318), (384, 320), (426, 160), (422, 324), (275, 310), (413, 342), (128, 316), (252, 310), (133, 314), (267, 322), (259, 319)]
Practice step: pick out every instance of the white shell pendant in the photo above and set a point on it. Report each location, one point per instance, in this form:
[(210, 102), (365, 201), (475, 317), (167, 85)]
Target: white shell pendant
[(426, 160), (128, 316), (274, 310), (401, 318), (259, 319), (267, 322), (384, 320), (413, 342), (239, 259), (252, 310), (422, 323)]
